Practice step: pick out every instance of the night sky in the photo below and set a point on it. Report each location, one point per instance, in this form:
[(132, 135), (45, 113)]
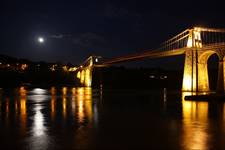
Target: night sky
[(76, 29)]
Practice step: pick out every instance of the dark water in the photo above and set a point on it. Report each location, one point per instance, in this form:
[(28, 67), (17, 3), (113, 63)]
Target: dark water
[(85, 118)]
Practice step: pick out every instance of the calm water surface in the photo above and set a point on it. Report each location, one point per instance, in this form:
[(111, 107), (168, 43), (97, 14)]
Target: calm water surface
[(85, 118)]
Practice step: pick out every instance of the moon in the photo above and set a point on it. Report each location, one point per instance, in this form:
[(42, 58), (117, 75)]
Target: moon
[(41, 40)]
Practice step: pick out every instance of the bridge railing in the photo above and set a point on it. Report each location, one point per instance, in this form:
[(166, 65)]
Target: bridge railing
[(196, 37), (212, 37), (176, 42)]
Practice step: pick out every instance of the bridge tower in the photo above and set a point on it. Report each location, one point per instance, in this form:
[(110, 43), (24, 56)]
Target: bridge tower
[(191, 68), (195, 76), (84, 73)]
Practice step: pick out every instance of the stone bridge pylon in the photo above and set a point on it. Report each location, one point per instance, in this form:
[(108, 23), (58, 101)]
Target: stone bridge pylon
[(195, 76)]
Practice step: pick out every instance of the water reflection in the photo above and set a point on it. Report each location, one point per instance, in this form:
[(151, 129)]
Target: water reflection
[(65, 116), (64, 91), (39, 137), (84, 104), (223, 117), (53, 102), (195, 124), (64, 102), (38, 91), (0, 102), (38, 124), (64, 106), (7, 108), (73, 101), (23, 108), (38, 97), (34, 109)]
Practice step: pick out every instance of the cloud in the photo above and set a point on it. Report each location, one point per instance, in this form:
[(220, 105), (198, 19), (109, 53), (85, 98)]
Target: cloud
[(89, 39), (60, 36)]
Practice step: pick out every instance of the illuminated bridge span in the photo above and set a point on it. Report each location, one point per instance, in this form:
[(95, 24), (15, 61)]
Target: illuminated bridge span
[(197, 44)]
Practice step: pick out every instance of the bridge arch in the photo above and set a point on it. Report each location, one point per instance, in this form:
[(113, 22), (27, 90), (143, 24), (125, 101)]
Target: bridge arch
[(196, 70), (88, 77), (203, 74), (204, 56), (221, 74), (82, 77)]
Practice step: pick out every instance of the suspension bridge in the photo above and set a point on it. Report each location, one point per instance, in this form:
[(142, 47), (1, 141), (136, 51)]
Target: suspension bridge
[(197, 44)]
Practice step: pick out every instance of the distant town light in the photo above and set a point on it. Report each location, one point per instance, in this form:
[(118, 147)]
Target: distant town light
[(72, 69), (65, 68), (24, 66), (96, 59), (152, 76), (52, 68)]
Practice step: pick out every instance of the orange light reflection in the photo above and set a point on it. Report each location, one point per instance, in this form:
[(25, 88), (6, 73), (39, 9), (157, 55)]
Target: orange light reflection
[(195, 124), (84, 102), (23, 109), (53, 102)]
